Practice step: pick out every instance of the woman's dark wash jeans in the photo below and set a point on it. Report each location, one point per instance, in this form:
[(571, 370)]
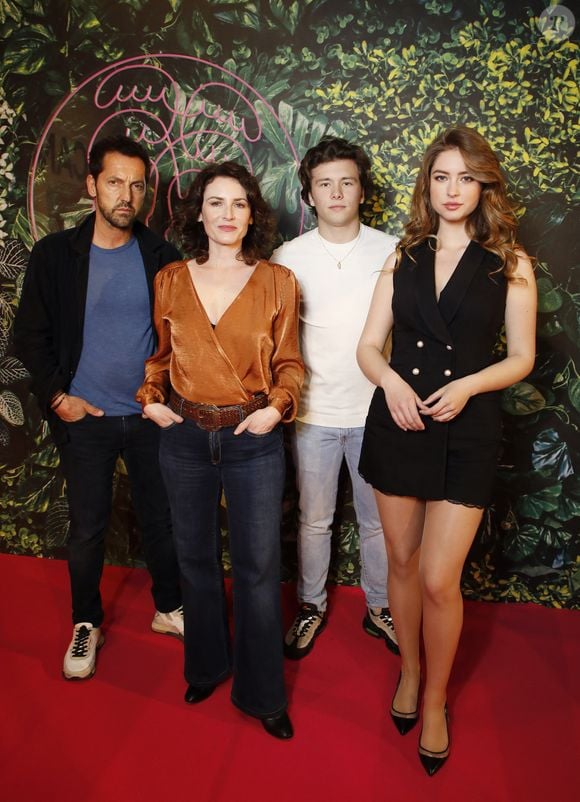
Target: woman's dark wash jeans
[(196, 464)]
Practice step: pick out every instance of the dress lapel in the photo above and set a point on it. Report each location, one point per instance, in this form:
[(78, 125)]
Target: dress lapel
[(425, 292), (454, 291)]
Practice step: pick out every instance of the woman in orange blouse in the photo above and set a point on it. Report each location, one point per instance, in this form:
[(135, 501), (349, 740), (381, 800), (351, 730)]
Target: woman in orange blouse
[(227, 372)]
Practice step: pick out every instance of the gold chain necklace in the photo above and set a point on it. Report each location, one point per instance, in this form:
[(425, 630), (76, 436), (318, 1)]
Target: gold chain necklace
[(346, 255)]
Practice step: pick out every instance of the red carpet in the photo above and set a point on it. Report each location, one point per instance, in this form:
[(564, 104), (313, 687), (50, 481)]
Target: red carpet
[(127, 736)]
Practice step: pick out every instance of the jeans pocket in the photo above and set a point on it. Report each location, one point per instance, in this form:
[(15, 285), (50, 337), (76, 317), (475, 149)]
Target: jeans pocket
[(79, 420), (277, 430), (169, 426)]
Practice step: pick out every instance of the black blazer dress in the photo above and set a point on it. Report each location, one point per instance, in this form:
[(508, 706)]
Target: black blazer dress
[(434, 343)]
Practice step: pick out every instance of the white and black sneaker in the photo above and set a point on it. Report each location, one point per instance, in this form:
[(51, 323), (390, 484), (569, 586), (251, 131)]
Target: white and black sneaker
[(80, 659), (380, 625), (307, 626)]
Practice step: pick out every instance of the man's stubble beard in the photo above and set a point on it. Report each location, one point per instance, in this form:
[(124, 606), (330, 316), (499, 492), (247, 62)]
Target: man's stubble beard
[(123, 223)]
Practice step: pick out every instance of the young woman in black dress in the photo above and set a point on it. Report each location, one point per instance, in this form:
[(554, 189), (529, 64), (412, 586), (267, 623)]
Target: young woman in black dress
[(433, 429)]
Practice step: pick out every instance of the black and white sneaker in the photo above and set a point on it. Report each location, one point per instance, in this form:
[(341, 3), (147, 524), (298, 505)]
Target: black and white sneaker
[(380, 625), (307, 626)]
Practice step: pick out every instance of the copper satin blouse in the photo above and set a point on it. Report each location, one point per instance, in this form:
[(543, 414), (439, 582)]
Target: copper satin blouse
[(253, 348)]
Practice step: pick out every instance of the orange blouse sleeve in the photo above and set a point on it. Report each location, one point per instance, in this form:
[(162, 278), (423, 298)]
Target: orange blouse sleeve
[(155, 387), (286, 362)]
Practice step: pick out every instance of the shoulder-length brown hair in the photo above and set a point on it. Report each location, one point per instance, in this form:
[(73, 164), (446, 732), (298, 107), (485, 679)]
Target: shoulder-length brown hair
[(189, 232), (493, 224)]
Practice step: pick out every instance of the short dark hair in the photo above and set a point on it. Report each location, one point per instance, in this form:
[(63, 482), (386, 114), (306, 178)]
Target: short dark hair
[(331, 149), (190, 233), (117, 144)]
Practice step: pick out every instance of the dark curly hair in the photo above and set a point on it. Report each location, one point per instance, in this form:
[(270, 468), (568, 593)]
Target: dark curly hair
[(189, 232), (332, 149)]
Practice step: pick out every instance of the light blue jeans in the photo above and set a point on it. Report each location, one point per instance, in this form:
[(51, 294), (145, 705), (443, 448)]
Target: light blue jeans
[(318, 453)]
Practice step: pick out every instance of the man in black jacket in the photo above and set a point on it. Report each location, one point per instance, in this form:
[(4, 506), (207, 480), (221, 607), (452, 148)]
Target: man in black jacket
[(83, 331)]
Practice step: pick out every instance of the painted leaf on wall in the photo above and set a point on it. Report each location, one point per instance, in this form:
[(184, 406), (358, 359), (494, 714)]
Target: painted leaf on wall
[(574, 392), (533, 505), (13, 259), (550, 455), (11, 370), (11, 408), (522, 399)]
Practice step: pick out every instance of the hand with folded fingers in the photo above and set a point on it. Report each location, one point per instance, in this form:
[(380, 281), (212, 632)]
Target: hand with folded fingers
[(446, 403), (161, 414), (404, 404), (72, 408), (261, 421)]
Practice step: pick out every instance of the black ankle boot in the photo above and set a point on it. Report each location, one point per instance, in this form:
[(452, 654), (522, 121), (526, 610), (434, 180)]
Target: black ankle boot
[(279, 726), (197, 693)]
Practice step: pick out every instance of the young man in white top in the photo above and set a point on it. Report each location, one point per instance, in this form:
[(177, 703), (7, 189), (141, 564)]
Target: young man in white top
[(337, 265)]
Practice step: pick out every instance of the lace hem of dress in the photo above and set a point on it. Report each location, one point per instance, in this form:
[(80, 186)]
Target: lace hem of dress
[(465, 504)]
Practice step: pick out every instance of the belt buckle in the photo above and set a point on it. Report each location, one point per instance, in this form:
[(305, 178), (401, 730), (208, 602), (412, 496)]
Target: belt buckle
[(206, 415)]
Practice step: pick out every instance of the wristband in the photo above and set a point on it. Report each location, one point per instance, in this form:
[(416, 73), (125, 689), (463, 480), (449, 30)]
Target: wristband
[(55, 396), (59, 401)]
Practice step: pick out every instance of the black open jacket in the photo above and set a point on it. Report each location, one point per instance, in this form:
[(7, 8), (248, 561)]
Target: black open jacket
[(48, 329)]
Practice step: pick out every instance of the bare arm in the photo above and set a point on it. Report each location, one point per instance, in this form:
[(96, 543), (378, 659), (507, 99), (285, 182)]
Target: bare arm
[(520, 324), (404, 404)]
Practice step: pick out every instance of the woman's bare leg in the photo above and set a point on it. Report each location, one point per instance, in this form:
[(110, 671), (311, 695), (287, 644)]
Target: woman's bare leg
[(402, 520), (448, 533)]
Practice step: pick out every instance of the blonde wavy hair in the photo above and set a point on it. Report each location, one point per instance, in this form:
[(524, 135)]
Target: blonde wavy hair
[(493, 224)]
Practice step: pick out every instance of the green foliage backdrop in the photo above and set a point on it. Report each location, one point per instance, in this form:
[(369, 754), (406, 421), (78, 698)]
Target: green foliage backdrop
[(390, 74)]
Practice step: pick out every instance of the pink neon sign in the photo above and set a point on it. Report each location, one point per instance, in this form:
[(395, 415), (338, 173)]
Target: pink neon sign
[(186, 110)]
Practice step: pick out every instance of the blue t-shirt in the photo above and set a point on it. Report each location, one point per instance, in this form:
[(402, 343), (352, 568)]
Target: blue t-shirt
[(117, 334)]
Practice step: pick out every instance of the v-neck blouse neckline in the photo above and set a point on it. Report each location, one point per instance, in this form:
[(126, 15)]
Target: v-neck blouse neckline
[(213, 325)]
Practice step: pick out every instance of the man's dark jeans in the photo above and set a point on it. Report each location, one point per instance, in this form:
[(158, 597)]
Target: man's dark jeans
[(196, 464), (88, 462)]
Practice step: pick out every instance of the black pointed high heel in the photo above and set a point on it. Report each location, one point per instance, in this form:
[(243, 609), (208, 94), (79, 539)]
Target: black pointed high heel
[(433, 761), (404, 722)]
